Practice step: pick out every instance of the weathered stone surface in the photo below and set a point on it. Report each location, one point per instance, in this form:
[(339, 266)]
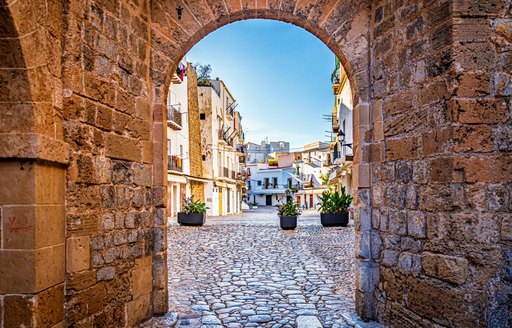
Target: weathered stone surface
[(449, 268), (86, 89)]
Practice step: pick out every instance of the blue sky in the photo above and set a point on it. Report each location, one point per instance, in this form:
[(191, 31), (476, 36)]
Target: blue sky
[(279, 74)]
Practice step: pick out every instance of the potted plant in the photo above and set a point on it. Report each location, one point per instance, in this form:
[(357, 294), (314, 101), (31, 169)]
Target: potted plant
[(255, 205), (288, 215), (194, 213), (333, 208)]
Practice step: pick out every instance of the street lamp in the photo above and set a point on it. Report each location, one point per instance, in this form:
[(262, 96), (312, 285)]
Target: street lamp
[(341, 139)]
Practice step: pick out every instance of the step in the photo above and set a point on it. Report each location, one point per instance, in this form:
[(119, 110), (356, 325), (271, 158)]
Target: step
[(308, 321)]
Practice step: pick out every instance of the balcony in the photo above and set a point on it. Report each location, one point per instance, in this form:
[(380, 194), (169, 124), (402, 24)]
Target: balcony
[(241, 149), (224, 137), (173, 118), (335, 122), (174, 163), (230, 111)]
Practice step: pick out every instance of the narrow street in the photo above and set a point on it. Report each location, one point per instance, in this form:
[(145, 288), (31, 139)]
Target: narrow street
[(244, 271)]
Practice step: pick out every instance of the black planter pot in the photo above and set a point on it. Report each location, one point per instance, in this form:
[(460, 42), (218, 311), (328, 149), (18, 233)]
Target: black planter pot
[(334, 219), (288, 222), (192, 219)]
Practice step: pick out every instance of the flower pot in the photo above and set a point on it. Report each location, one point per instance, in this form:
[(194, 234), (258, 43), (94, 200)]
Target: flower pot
[(192, 219), (339, 219), (288, 222)]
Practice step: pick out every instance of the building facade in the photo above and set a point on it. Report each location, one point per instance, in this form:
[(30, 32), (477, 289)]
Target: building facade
[(184, 150), (315, 161), (342, 128), (270, 185), (177, 139), (260, 153), (223, 148)]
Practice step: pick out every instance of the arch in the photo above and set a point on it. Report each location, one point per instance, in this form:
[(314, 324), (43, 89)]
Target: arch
[(32, 165), (342, 26)]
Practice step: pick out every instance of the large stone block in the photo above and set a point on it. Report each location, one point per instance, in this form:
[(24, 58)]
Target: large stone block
[(30, 271), (19, 311), (50, 307), (78, 254), (445, 305), (448, 268), (141, 279), (32, 226), (138, 310), (123, 148)]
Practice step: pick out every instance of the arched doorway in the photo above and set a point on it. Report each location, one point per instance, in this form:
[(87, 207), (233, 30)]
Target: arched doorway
[(432, 152), (349, 42)]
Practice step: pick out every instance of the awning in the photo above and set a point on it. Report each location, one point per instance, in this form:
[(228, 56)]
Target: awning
[(220, 184), (176, 178), (316, 191), (198, 179)]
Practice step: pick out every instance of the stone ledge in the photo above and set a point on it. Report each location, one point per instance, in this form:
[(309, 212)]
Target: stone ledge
[(33, 146), (353, 320)]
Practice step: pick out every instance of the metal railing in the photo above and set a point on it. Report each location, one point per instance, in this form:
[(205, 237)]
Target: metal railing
[(335, 122), (173, 115), (174, 163)]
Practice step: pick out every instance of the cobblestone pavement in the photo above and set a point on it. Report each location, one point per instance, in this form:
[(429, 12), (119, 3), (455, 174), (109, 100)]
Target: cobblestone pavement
[(244, 271)]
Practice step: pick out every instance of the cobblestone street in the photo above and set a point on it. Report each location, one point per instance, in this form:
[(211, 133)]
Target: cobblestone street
[(244, 271)]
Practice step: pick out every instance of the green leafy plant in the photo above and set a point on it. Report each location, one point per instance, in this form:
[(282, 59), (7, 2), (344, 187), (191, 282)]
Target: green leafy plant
[(325, 179), (192, 206), (288, 209), (331, 201)]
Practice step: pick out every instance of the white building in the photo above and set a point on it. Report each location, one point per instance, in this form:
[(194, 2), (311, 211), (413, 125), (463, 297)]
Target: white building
[(260, 153), (268, 185), (315, 162), (177, 139), (342, 126), (222, 140)]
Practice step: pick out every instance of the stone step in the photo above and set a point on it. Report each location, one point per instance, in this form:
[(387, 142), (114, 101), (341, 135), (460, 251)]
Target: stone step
[(353, 320), (308, 321)]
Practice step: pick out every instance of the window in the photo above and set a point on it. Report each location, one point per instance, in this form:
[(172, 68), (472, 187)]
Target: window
[(202, 116), (259, 182), (267, 183), (289, 182), (274, 182), (181, 151), (204, 157)]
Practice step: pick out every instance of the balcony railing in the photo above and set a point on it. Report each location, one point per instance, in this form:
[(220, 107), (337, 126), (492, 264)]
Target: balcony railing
[(173, 117), (335, 122), (241, 149), (225, 137), (174, 163)]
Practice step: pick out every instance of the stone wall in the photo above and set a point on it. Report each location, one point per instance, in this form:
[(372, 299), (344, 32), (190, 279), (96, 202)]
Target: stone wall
[(194, 131), (111, 208), (33, 157), (440, 166), (82, 116)]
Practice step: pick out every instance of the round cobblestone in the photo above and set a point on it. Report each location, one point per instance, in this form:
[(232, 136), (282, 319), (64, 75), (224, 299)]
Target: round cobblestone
[(245, 271)]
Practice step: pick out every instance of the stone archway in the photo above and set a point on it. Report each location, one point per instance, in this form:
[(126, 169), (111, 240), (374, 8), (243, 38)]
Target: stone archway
[(433, 158), (173, 35)]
